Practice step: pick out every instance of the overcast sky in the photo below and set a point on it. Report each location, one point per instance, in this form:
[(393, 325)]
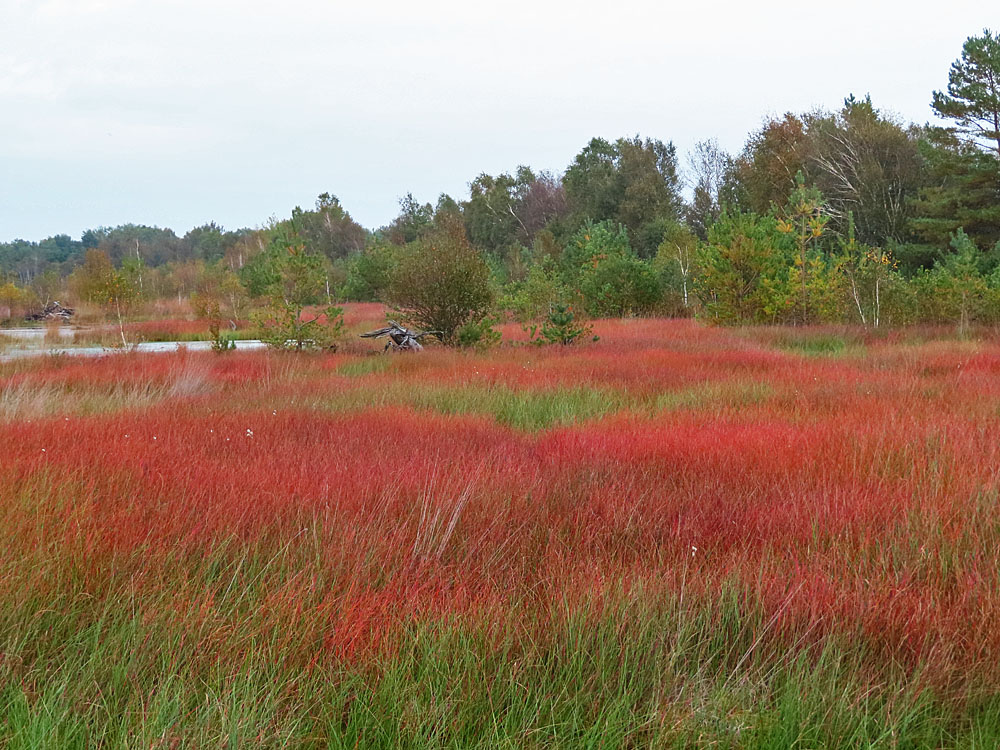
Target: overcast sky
[(180, 112)]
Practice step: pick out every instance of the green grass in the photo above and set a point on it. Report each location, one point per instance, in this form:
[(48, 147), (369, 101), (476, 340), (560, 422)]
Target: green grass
[(635, 672), (539, 409), (817, 345), (361, 366), (519, 409)]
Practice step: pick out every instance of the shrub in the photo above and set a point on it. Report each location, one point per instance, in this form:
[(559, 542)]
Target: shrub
[(441, 283), (592, 240), (297, 281), (282, 327), (619, 285), (561, 327), (478, 334), (13, 300), (532, 298), (221, 342), (954, 290), (368, 274), (741, 264), (613, 281)]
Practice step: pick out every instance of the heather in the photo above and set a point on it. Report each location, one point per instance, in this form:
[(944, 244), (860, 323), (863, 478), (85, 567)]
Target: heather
[(676, 536)]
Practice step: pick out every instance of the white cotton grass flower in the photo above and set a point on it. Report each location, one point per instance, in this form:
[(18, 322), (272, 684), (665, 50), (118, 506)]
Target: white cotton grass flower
[(693, 550), (249, 432)]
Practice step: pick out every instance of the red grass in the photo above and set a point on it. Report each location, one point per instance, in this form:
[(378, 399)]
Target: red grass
[(857, 500)]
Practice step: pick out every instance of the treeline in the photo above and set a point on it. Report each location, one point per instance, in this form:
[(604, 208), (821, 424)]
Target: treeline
[(846, 216)]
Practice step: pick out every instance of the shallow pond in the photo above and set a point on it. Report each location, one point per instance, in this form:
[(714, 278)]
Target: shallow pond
[(100, 351)]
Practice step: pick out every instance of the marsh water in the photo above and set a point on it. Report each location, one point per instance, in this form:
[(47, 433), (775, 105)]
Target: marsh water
[(34, 342)]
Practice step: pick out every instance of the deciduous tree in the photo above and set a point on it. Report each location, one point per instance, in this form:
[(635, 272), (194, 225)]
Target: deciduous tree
[(298, 282), (868, 166), (440, 283)]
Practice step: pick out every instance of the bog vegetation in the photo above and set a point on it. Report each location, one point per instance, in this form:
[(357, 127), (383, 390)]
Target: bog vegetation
[(676, 536), (731, 482)]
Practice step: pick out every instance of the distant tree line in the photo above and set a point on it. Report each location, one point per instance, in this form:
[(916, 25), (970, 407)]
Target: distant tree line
[(845, 216)]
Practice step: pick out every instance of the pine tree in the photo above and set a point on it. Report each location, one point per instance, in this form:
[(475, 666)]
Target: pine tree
[(973, 97)]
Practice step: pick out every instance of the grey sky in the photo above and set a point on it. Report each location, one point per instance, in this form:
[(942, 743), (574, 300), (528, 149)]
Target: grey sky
[(178, 112)]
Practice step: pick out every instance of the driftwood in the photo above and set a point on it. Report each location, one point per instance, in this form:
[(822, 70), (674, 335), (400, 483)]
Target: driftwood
[(52, 311), (400, 339)]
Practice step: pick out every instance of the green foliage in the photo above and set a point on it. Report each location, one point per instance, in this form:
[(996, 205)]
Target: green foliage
[(867, 166), (632, 182), (805, 219), (219, 293), (561, 327), (478, 334), (955, 290), (221, 342), (413, 222), (328, 230), (208, 241), (491, 214), (54, 252), (281, 328), (119, 295), (812, 292), (709, 165), (531, 299), (297, 281), (261, 273), (675, 267), (13, 298), (546, 248), (368, 274), (149, 245), (89, 279), (745, 258), (47, 286), (619, 285), (963, 161), (759, 269), (590, 241), (599, 262), (763, 175), (440, 283), (972, 101), (963, 185), (114, 289), (823, 217), (871, 282)]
